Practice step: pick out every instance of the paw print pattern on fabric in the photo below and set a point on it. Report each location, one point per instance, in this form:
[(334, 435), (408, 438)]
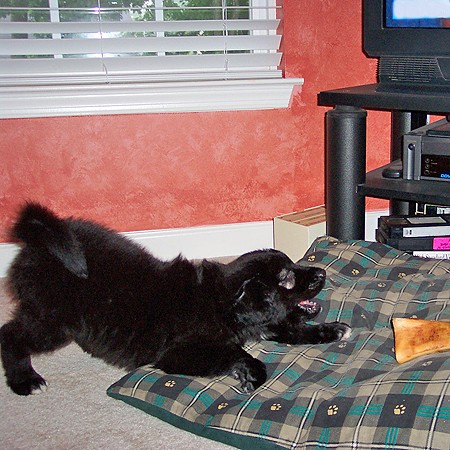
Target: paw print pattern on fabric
[(275, 410), (170, 384), (311, 258), (397, 274), (363, 318), (222, 405), (332, 410), (399, 410), (333, 413), (353, 270)]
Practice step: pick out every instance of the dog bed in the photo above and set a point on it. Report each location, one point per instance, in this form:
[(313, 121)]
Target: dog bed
[(348, 394)]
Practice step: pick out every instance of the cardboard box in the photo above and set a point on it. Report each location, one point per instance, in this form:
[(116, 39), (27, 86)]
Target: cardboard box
[(295, 232)]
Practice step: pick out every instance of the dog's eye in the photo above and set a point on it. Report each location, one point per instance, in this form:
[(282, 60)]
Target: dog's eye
[(287, 279)]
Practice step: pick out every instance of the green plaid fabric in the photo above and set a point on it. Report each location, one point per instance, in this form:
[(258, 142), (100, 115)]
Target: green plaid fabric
[(346, 395)]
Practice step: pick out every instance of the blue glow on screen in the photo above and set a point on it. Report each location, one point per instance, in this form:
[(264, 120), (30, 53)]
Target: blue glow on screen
[(417, 13)]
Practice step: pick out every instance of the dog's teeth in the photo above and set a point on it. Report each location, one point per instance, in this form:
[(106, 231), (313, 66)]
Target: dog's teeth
[(307, 304)]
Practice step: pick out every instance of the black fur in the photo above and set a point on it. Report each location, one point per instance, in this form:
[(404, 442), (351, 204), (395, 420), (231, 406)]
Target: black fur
[(77, 281)]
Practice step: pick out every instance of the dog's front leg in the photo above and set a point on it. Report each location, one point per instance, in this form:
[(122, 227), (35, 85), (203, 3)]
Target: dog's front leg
[(214, 359), (288, 332), (251, 372)]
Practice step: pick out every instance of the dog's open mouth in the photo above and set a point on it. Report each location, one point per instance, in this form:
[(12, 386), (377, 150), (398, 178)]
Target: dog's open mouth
[(309, 307)]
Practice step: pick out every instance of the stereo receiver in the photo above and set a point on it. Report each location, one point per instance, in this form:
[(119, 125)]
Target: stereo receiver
[(426, 152)]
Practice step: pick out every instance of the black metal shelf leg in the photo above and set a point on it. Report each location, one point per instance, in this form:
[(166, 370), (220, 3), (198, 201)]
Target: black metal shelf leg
[(345, 169)]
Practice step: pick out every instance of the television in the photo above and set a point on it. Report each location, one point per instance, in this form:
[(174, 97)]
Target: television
[(411, 38)]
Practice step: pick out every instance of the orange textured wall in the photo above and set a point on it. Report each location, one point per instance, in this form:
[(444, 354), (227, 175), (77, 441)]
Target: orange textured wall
[(152, 171)]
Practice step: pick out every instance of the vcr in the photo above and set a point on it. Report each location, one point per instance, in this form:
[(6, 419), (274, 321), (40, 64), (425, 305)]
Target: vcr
[(426, 152)]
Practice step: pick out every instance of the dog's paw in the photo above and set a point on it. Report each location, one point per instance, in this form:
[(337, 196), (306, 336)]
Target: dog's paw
[(340, 331), (250, 372), (346, 332), (30, 386)]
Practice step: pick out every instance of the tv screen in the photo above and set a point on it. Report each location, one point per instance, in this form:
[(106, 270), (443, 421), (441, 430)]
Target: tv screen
[(411, 38), (417, 14)]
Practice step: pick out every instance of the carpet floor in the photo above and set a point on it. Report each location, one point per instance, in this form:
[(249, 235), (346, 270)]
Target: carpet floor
[(75, 412)]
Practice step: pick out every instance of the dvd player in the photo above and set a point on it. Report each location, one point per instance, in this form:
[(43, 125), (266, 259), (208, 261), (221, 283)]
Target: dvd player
[(426, 152)]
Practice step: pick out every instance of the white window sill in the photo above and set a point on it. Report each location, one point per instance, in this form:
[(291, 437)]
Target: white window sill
[(189, 96)]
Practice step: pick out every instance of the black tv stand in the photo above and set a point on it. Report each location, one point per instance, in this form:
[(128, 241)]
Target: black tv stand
[(346, 181), (411, 88)]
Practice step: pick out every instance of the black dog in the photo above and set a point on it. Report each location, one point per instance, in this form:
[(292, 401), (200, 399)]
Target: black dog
[(77, 281)]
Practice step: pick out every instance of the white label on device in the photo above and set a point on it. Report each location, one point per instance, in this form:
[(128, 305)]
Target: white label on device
[(426, 231)]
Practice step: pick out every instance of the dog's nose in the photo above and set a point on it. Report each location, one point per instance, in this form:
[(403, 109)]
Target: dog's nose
[(320, 274), (318, 278)]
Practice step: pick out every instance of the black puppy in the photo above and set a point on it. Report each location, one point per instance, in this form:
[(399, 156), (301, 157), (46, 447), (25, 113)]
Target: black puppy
[(77, 281)]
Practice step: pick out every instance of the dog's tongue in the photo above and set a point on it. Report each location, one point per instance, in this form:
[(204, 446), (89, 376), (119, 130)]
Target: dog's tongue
[(307, 303)]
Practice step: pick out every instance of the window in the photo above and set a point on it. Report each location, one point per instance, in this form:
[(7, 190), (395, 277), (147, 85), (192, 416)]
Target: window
[(63, 57)]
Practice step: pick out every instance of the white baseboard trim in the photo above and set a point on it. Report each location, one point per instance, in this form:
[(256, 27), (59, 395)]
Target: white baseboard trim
[(7, 253), (206, 241), (195, 242), (201, 242), (372, 223)]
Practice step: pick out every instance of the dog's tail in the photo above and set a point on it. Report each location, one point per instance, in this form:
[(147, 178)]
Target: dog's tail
[(40, 228)]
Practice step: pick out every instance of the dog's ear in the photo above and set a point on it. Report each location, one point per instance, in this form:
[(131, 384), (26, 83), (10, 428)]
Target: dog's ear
[(252, 288), (71, 254), (241, 292), (208, 272)]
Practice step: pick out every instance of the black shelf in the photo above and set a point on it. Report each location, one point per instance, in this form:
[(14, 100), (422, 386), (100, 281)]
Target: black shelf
[(423, 191), (345, 153), (371, 97)]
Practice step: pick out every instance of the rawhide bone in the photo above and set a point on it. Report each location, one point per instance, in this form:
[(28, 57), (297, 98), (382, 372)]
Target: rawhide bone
[(416, 337)]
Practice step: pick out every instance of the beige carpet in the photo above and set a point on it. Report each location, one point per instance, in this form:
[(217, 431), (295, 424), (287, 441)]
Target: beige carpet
[(76, 413)]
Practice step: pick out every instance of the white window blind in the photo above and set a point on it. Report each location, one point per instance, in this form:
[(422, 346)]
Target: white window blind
[(74, 44)]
